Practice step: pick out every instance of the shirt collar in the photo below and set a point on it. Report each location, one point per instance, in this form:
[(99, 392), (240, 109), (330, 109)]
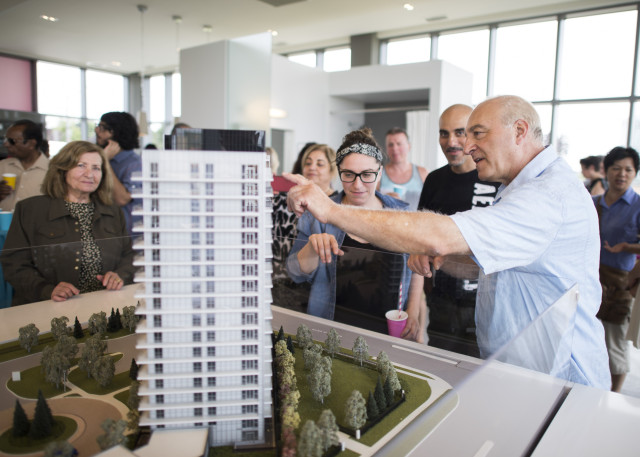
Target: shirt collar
[(532, 170)]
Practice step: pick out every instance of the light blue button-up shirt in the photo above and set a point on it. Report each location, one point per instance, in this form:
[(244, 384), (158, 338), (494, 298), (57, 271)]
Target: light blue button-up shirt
[(539, 239)]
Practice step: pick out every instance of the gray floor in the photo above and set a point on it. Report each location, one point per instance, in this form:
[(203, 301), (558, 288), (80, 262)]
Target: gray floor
[(631, 385)]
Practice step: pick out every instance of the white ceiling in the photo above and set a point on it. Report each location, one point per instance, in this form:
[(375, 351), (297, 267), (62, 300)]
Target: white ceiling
[(107, 33)]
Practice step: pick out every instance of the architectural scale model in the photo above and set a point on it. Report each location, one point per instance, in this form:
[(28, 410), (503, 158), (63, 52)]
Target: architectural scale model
[(204, 344)]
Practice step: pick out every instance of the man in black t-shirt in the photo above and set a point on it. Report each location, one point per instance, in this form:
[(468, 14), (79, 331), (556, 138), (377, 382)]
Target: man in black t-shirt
[(451, 293)]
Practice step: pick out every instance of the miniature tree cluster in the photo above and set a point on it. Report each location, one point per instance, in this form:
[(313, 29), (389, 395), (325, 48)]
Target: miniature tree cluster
[(317, 438), (288, 394), (42, 424)]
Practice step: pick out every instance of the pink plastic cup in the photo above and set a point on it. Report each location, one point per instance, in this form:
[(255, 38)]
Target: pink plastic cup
[(396, 322)]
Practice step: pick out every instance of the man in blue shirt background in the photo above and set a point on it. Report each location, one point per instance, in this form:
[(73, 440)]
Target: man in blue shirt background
[(537, 240), (117, 133)]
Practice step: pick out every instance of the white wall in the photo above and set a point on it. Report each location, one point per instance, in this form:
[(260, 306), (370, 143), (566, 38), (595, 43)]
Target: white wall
[(226, 84), (303, 93)]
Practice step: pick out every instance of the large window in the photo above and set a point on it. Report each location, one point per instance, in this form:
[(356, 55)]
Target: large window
[(408, 51), (454, 48), (525, 60), (337, 59), (70, 113), (597, 56)]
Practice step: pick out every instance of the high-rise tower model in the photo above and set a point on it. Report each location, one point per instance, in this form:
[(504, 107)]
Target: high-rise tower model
[(204, 346)]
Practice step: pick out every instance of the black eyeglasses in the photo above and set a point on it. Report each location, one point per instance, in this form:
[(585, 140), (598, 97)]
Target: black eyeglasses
[(103, 127), (13, 141), (366, 177)]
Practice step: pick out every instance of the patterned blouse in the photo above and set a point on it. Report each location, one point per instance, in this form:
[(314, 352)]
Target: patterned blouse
[(91, 259)]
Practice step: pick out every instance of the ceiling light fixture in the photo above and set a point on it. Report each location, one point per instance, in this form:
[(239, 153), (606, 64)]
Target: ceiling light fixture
[(49, 18), (274, 33), (436, 18), (207, 29), (408, 6), (177, 20)]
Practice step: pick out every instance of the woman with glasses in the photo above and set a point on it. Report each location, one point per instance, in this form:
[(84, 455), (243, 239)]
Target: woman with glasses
[(364, 277)]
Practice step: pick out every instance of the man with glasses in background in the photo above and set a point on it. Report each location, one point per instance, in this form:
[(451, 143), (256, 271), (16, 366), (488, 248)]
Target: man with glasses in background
[(24, 142), (117, 133)]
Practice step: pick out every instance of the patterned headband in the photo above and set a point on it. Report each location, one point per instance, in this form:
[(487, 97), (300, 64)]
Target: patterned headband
[(359, 148)]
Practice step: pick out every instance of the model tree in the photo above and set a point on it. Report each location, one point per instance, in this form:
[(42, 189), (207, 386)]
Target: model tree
[(289, 443), (98, 323), (103, 370), (381, 399), (56, 360), (311, 354), (392, 377), (133, 415), (28, 336), (372, 407), (389, 393), (290, 344), (60, 449), (355, 412), (113, 433), (59, 327), (328, 429), (118, 319), (42, 420), (77, 329), (310, 444), (382, 363), (303, 336), (280, 336), (133, 370), (360, 349), (332, 344), (129, 318), (319, 379), (20, 421), (94, 349)]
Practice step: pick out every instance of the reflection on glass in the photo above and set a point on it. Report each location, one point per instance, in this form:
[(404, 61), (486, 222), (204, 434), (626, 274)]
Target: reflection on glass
[(408, 51), (337, 59), (60, 131), (572, 139), (105, 93), (525, 60), (597, 56), (58, 89), (454, 48), (305, 58)]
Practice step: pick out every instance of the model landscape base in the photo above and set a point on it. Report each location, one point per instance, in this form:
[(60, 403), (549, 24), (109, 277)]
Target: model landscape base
[(431, 412)]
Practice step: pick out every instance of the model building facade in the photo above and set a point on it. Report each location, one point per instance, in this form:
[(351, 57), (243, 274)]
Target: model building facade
[(205, 342)]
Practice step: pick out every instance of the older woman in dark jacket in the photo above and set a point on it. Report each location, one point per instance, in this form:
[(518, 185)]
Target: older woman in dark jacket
[(72, 239)]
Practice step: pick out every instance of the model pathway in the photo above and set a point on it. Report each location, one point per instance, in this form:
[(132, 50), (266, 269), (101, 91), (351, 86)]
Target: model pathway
[(101, 407)]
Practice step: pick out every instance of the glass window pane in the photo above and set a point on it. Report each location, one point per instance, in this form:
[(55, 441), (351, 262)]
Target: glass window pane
[(156, 135), (635, 127), (105, 93), (572, 137), (408, 51), (305, 58), (61, 130), (58, 89), (176, 95), (597, 56), (156, 98), (337, 59), (454, 48), (544, 111), (525, 60)]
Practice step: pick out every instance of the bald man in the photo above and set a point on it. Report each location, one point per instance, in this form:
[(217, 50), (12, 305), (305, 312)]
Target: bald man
[(538, 239), (451, 293)]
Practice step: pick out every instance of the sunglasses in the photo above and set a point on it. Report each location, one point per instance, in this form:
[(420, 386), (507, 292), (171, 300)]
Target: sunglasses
[(13, 141)]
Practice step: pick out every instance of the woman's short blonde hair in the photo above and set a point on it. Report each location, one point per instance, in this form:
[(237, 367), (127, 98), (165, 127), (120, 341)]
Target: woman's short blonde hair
[(55, 182), (328, 152)]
